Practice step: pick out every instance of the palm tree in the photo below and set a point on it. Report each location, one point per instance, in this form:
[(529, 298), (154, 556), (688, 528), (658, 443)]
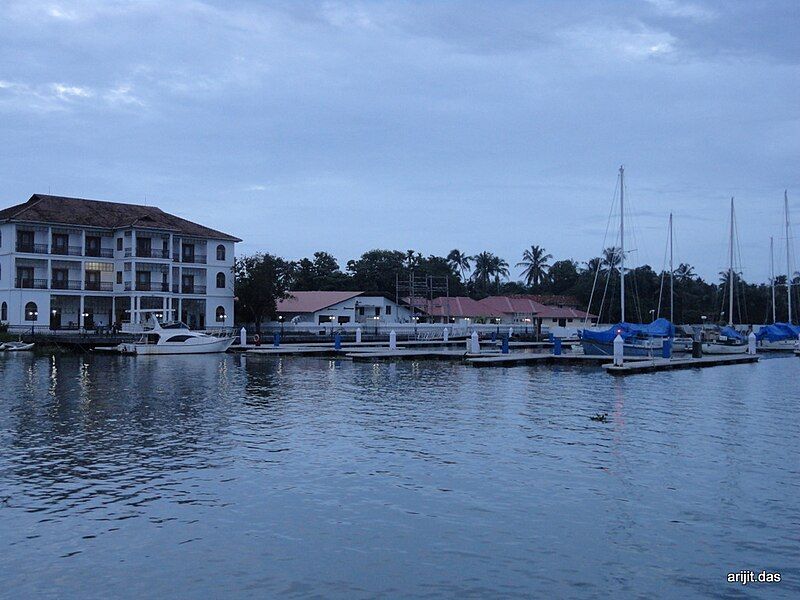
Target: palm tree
[(460, 262), (412, 258), (594, 264), (484, 268), (535, 260), (499, 269), (612, 258), (685, 272)]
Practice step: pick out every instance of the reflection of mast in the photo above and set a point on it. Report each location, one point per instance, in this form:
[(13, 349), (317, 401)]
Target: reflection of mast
[(622, 241)]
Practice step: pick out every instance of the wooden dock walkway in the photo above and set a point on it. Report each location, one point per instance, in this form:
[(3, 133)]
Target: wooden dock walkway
[(665, 364), (516, 359)]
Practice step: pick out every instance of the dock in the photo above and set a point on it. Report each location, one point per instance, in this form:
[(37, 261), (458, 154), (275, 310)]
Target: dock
[(513, 360), (665, 364)]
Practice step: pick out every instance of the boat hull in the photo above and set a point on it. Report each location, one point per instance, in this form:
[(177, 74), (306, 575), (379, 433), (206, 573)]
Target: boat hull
[(591, 348), (713, 348), (215, 346)]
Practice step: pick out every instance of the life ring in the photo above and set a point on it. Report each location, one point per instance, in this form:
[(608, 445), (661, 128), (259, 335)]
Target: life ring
[(256, 339)]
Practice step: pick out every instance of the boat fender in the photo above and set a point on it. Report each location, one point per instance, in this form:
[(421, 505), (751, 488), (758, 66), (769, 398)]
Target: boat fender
[(257, 340)]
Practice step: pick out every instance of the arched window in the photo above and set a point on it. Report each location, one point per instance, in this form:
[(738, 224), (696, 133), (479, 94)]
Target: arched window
[(31, 312), (220, 314), (220, 280), (4, 312), (220, 252)]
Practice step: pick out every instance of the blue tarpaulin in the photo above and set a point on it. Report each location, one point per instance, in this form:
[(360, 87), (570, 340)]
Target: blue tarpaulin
[(778, 332), (730, 332), (658, 328)]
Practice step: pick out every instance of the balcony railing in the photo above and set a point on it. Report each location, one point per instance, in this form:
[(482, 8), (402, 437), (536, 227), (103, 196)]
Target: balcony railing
[(100, 252), (144, 286), (193, 289), (31, 284), (200, 259), (99, 286), (151, 253), (66, 250), (32, 248), (63, 284)]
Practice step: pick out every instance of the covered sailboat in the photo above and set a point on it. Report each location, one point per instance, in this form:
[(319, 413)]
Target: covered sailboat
[(639, 339), (779, 335)]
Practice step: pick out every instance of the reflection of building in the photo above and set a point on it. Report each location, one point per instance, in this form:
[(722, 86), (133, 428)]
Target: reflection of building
[(73, 263), (341, 307)]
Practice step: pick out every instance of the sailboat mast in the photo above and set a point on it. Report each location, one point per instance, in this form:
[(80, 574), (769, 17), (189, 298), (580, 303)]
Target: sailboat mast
[(730, 273), (671, 278), (788, 255), (622, 241), (772, 273)]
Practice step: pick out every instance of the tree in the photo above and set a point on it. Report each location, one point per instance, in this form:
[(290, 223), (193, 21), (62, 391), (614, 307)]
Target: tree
[(500, 269), (460, 263), (684, 272), (612, 259), (488, 267), (563, 276), (260, 281), (534, 259), (376, 270)]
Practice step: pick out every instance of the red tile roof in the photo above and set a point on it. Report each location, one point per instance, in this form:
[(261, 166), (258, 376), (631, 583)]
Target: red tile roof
[(309, 302), (457, 307), (511, 305)]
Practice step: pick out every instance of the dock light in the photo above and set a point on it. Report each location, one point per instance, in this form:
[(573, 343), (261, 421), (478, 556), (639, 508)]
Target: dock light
[(53, 312)]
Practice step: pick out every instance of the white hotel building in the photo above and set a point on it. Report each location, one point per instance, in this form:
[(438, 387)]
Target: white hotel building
[(70, 263)]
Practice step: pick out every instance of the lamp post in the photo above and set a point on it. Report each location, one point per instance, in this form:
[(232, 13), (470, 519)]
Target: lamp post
[(280, 318), (652, 314)]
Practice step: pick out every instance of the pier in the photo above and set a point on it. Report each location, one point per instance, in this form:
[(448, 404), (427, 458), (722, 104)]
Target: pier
[(666, 364)]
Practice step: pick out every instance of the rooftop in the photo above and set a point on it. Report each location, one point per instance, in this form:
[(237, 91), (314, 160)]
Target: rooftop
[(309, 302), (100, 214)]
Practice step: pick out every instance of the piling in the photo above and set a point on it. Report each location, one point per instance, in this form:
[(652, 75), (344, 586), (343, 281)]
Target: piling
[(619, 351)]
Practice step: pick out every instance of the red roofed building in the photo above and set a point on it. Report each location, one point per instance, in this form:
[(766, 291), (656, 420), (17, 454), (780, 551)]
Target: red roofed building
[(320, 307)]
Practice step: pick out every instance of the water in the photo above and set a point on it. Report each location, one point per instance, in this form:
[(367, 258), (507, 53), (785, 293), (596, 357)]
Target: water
[(221, 476)]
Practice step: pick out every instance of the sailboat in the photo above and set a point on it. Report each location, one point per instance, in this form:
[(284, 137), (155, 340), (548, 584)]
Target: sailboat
[(680, 343), (639, 339), (781, 336), (729, 341)]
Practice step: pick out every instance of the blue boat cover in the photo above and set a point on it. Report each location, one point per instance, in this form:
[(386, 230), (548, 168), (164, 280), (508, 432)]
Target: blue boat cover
[(730, 332), (658, 328), (778, 332)]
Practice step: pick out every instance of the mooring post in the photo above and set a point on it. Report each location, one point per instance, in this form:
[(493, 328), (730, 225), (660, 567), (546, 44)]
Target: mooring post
[(392, 340), (619, 350), (358, 335), (445, 335), (276, 339), (556, 346), (243, 336), (337, 341), (505, 345), (510, 332), (751, 344), (666, 349), (475, 346)]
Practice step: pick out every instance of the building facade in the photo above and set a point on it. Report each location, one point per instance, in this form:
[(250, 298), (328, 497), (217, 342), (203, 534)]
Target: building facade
[(340, 308), (71, 263)]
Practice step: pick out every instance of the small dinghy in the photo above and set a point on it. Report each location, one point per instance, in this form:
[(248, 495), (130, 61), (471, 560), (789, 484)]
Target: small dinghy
[(16, 347)]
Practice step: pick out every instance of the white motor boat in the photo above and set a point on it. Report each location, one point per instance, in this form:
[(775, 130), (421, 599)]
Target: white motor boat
[(175, 338), (725, 345), (682, 344), (16, 347)]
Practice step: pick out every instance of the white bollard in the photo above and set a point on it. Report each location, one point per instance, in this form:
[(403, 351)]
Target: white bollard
[(619, 350), (392, 340), (510, 332), (474, 346), (358, 335), (751, 343), (445, 335), (243, 336)]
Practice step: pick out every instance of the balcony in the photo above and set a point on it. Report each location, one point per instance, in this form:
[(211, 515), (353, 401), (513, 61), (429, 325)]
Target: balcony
[(199, 259), (151, 253), (32, 248), (100, 252), (31, 284), (193, 289), (148, 286), (99, 286), (66, 250), (63, 284)]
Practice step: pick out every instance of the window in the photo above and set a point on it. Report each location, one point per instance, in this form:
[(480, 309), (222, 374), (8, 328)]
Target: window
[(220, 252), (119, 277), (178, 338), (4, 312), (388, 309), (220, 314), (31, 312), (119, 244), (220, 280), (377, 311)]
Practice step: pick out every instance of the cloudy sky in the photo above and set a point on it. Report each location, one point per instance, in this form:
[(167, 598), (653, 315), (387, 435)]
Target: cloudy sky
[(345, 126)]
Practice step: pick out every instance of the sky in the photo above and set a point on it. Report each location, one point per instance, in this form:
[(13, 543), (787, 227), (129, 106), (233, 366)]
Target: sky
[(348, 126)]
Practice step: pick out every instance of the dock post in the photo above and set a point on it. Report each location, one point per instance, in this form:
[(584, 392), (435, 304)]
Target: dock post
[(358, 335), (276, 340), (337, 341), (505, 345), (619, 350), (751, 343), (392, 340), (556, 346), (445, 335), (474, 346), (510, 332), (666, 349), (243, 336)]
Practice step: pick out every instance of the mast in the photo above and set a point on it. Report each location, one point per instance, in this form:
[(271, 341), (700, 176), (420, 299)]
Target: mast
[(788, 266), (671, 271), (772, 273), (622, 241), (730, 274)]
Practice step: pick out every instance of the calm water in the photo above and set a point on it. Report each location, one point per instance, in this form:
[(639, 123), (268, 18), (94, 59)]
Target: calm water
[(232, 477)]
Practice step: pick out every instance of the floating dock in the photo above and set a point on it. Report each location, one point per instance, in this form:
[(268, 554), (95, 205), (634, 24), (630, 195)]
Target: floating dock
[(666, 364), (512, 360)]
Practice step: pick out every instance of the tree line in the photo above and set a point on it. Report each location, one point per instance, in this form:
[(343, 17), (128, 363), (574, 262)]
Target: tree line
[(263, 279)]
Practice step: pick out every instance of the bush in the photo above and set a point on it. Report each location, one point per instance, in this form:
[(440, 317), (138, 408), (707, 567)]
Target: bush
[(3, 327)]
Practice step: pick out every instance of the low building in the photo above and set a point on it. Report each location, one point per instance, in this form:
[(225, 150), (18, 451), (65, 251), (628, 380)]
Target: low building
[(72, 263), (460, 310), (322, 307)]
